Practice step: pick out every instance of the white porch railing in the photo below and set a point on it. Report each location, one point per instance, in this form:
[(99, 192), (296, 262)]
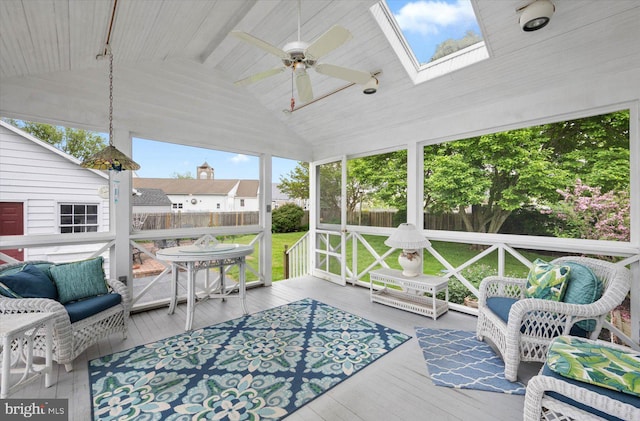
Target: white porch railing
[(297, 262), (154, 282), (299, 256)]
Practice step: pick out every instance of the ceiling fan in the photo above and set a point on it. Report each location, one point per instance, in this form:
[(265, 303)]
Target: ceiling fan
[(300, 56)]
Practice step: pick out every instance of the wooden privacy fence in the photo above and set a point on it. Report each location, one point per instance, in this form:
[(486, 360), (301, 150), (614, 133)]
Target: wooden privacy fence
[(154, 221), (170, 220), (387, 219)]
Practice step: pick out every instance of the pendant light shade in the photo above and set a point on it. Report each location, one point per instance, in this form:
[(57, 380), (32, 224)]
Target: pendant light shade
[(110, 158)]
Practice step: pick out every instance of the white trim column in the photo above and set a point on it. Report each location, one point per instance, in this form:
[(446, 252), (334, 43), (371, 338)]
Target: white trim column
[(634, 217), (266, 249), (415, 183), (120, 211), (314, 211)]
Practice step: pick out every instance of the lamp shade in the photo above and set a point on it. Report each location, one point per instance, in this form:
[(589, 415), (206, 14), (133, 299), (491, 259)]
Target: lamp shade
[(407, 237), (110, 158)]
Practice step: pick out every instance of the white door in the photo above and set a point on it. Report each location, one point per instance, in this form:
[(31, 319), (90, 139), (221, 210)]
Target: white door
[(328, 221)]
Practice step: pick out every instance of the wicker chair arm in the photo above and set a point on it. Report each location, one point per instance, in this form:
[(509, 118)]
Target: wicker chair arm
[(123, 290), (534, 311), (29, 305), (62, 326), (538, 385), (499, 286)]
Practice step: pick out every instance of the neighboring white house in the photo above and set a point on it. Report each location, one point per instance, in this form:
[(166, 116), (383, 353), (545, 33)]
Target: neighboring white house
[(205, 194), (45, 191)]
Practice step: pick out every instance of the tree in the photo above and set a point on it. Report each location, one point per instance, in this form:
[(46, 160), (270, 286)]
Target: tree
[(492, 175), (450, 46), (595, 149), (76, 142), (380, 177), (187, 175), (296, 183)]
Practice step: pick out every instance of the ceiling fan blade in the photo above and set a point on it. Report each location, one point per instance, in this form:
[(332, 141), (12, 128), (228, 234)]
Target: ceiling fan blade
[(327, 42), (258, 76), (350, 75), (261, 44), (303, 84)]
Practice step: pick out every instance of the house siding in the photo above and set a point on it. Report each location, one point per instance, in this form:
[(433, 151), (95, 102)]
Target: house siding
[(33, 174)]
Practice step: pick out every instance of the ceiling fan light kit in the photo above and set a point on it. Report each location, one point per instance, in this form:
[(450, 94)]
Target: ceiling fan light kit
[(300, 56), (536, 15)]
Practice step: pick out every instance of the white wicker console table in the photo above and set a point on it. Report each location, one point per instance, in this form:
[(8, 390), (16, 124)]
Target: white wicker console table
[(411, 297), (17, 334)]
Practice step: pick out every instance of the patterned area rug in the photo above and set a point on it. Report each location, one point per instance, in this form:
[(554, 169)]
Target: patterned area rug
[(455, 358), (261, 366)]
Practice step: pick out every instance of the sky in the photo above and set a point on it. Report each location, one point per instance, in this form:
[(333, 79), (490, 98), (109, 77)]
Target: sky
[(165, 160), (425, 24)]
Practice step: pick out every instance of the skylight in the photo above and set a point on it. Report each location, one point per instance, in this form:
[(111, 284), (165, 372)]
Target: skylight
[(428, 33), (436, 28)]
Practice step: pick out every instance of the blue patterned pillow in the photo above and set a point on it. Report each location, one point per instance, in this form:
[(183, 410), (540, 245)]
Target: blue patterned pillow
[(546, 281), (78, 280), (28, 282)]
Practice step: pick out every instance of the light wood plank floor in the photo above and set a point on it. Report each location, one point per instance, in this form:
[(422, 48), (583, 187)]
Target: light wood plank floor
[(396, 387)]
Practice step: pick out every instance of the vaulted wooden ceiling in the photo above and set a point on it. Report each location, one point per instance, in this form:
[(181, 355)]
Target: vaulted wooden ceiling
[(175, 65)]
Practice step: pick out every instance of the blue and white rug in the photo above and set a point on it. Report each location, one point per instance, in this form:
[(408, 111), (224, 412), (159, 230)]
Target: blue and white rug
[(455, 358), (261, 366)]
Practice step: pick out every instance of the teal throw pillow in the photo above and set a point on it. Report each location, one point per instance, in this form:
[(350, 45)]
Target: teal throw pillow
[(78, 280), (583, 287), (29, 282), (546, 281)]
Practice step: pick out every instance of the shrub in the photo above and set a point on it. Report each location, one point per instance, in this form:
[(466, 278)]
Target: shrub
[(287, 218), (474, 274)]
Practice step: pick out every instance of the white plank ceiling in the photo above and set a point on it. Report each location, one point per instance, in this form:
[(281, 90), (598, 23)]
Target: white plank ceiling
[(175, 65)]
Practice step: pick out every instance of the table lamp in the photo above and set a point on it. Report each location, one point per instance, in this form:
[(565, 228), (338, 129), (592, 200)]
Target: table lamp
[(407, 238)]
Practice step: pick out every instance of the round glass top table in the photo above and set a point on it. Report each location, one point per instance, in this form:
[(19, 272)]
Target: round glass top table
[(193, 258)]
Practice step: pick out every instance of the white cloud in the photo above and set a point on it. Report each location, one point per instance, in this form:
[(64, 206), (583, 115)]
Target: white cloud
[(239, 158), (428, 17)]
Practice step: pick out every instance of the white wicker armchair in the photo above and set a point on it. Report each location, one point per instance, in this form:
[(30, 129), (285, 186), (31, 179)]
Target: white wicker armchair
[(71, 339), (542, 400), (533, 323)]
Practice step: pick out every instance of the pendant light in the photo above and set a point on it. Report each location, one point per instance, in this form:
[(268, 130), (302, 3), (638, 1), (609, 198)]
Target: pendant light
[(110, 158)]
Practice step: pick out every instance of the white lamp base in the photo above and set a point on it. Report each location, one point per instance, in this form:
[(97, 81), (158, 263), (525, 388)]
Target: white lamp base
[(411, 263)]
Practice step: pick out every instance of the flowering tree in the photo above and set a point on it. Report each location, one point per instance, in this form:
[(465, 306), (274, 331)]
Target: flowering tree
[(589, 214)]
